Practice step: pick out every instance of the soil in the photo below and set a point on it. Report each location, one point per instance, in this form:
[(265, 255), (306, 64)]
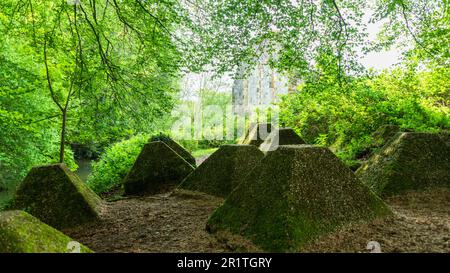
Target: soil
[(421, 223), (176, 223)]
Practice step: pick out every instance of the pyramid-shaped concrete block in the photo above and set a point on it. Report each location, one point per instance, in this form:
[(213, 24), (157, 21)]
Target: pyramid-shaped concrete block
[(445, 137), (223, 170), (296, 194), (57, 196), (181, 151), (409, 161), (176, 147), (258, 133), (22, 233), (282, 136), (157, 169)]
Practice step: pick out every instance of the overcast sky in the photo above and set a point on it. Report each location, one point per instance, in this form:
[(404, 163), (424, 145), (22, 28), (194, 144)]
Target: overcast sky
[(378, 60)]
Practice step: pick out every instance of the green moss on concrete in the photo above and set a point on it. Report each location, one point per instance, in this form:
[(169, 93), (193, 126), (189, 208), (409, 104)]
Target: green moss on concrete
[(223, 170), (22, 233), (445, 137), (410, 161), (282, 136), (294, 195), (57, 197), (176, 147), (157, 169), (257, 134)]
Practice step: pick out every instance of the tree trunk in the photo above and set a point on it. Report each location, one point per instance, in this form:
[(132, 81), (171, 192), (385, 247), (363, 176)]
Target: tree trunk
[(63, 136)]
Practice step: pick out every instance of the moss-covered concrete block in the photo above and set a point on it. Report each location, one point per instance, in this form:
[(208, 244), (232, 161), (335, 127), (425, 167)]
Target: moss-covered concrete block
[(57, 197), (410, 161), (281, 136), (181, 151), (157, 169), (223, 170), (296, 194), (22, 233), (258, 133), (445, 137), (176, 147)]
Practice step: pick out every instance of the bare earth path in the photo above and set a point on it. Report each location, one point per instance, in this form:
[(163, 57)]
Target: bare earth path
[(176, 223)]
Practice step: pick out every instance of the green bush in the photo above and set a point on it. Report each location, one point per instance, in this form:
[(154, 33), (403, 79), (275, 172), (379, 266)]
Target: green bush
[(343, 117), (115, 163)]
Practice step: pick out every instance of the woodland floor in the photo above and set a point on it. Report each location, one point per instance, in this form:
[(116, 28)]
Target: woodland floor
[(176, 223)]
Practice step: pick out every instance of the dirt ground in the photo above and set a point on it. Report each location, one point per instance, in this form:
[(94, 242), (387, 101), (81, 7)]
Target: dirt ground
[(176, 223), (421, 223)]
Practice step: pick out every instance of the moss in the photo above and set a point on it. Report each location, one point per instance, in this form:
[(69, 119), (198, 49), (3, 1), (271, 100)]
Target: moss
[(410, 161), (258, 133), (157, 169), (445, 137), (296, 193), (22, 233), (57, 197), (282, 136), (176, 147), (223, 170)]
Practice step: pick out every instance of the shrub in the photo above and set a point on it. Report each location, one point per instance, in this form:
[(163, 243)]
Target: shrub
[(344, 117), (115, 163)]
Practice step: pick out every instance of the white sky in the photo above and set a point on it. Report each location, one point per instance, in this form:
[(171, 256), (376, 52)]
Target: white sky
[(378, 60)]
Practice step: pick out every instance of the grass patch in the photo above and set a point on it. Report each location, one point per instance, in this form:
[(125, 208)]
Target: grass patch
[(202, 152)]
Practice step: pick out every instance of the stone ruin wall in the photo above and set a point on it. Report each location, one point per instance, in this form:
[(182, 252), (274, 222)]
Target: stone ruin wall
[(261, 87)]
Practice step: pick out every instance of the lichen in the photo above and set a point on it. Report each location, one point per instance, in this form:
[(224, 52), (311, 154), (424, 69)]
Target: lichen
[(22, 233), (223, 170), (410, 161), (57, 197), (296, 194), (157, 169)]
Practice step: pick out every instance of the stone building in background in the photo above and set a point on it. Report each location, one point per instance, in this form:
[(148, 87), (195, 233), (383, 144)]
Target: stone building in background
[(259, 87)]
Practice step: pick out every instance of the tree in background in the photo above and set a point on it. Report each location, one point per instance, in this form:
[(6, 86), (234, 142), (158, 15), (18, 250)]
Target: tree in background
[(424, 22), (105, 69), (295, 34)]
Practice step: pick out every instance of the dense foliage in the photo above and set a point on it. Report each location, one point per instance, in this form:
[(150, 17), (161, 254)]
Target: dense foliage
[(344, 117), (107, 73), (115, 163), (81, 72)]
